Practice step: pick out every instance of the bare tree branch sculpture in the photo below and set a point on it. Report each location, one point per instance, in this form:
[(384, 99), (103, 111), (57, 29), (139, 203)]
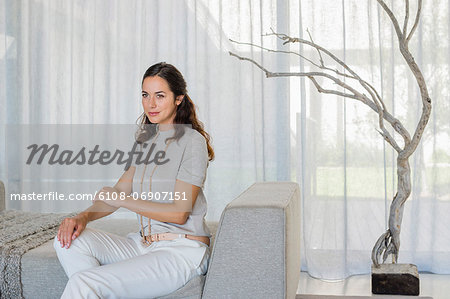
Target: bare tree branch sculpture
[(389, 242)]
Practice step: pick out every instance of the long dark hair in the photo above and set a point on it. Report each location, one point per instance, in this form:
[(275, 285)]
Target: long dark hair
[(185, 113)]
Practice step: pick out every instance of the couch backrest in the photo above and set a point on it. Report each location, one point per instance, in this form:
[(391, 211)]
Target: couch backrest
[(257, 248)]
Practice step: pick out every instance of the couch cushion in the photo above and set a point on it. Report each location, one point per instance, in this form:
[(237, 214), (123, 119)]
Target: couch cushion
[(43, 276)]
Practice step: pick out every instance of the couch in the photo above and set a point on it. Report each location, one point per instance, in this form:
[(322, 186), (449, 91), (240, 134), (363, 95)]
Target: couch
[(255, 249)]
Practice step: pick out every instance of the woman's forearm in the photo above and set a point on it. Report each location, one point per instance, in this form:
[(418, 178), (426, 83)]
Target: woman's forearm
[(170, 212), (98, 210), (177, 210)]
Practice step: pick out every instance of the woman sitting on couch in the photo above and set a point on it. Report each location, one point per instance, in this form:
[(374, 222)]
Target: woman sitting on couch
[(172, 245)]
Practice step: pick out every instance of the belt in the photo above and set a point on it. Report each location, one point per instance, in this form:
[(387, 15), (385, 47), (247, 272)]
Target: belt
[(173, 236)]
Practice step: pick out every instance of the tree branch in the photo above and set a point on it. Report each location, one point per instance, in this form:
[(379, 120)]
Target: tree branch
[(405, 23), (426, 112), (393, 19), (386, 135), (252, 61), (426, 100), (318, 51), (290, 52), (289, 39), (355, 94), (395, 123), (416, 21), (330, 91)]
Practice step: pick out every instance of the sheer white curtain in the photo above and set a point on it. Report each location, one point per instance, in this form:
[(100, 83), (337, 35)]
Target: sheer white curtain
[(81, 62)]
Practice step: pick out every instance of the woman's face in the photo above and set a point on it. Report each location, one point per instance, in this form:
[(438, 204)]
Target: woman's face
[(158, 100)]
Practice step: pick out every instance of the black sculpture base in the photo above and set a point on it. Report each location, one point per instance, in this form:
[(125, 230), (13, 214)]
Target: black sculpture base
[(395, 279)]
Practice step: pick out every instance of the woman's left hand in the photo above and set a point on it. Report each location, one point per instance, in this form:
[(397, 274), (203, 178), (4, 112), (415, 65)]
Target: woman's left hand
[(110, 196)]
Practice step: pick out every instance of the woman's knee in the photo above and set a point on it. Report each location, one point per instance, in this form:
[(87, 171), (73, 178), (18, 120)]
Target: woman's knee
[(56, 244), (84, 237)]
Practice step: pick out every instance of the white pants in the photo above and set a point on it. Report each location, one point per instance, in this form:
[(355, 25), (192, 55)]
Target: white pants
[(105, 265)]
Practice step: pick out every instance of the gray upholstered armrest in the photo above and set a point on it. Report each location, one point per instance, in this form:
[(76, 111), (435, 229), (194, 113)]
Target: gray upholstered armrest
[(256, 253), (2, 196)]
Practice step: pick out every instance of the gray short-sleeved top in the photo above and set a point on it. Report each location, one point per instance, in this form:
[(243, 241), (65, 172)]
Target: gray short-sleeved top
[(188, 161)]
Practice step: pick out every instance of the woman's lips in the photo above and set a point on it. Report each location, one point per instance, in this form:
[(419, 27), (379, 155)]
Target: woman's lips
[(153, 113)]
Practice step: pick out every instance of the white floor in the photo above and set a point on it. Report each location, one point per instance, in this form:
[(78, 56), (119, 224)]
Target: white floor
[(433, 285)]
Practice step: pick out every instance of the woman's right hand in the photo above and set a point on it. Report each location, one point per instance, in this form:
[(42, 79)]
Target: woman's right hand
[(71, 228)]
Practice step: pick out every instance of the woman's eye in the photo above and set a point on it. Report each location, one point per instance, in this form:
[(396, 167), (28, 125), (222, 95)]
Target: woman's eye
[(144, 95), (160, 96)]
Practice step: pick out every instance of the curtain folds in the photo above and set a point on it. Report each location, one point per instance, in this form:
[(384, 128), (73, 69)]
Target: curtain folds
[(81, 62)]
